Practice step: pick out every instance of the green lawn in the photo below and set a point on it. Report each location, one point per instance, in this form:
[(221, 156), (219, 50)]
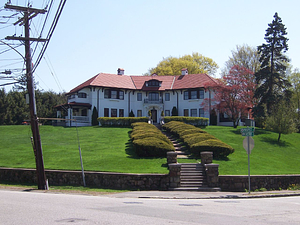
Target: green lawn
[(103, 149), (109, 149)]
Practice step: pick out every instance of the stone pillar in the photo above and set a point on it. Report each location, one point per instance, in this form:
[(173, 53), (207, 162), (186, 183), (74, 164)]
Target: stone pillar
[(206, 157), (212, 174), (171, 157), (174, 175)]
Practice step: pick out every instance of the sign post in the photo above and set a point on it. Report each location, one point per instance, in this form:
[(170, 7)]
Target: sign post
[(248, 144)]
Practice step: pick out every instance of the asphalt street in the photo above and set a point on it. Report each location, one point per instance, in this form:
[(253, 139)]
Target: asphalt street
[(37, 207)]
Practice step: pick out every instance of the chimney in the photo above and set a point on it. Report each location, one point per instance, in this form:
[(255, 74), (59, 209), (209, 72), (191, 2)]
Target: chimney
[(184, 71), (120, 71)]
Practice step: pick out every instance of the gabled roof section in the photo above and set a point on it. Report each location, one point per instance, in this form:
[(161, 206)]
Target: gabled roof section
[(193, 81), (107, 80), (140, 82)]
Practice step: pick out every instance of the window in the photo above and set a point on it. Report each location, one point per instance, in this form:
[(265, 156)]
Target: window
[(167, 96), (113, 112), (84, 112), (167, 112), (113, 94), (139, 96), (201, 93), (106, 112), (81, 95), (106, 93), (194, 112), (201, 112), (193, 95), (71, 96), (186, 112), (153, 83), (153, 96), (121, 112), (139, 113), (186, 95), (121, 95)]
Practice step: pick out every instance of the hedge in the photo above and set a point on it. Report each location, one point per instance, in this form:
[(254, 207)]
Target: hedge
[(198, 140), (120, 121), (192, 139), (151, 147), (148, 141), (196, 121), (219, 148)]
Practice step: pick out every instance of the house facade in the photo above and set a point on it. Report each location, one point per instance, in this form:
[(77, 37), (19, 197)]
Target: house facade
[(116, 95)]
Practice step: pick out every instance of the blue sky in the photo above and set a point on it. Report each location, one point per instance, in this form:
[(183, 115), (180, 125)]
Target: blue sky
[(101, 36)]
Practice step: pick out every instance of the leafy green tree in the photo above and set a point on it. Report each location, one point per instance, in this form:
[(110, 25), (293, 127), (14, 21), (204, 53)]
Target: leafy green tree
[(271, 78), (3, 106), (294, 79), (17, 110), (195, 63), (244, 56), (281, 120)]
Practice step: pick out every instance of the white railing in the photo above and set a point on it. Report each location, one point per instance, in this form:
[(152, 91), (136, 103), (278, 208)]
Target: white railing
[(81, 119)]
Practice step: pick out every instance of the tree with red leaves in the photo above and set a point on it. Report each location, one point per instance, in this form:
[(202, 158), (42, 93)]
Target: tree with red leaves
[(234, 94)]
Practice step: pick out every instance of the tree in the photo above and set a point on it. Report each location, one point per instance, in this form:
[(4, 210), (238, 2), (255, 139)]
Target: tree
[(234, 94), (271, 78), (195, 63), (174, 111), (281, 120), (17, 110), (294, 79), (245, 56), (95, 117), (3, 105)]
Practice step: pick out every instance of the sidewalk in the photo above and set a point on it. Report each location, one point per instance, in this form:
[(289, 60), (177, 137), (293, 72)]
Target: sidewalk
[(203, 195)]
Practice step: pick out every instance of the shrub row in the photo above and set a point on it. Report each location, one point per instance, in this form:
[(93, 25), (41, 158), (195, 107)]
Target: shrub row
[(148, 141), (198, 140), (196, 121), (120, 121)]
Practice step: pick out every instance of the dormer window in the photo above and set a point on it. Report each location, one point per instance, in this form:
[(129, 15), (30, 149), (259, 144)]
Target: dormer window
[(153, 83)]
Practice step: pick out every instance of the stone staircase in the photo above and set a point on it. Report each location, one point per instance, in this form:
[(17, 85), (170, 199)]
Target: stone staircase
[(193, 178), (179, 148)]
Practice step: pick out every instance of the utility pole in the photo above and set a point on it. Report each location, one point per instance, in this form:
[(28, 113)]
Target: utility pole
[(30, 13)]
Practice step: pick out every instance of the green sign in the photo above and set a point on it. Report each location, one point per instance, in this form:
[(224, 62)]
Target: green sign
[(249, 131)]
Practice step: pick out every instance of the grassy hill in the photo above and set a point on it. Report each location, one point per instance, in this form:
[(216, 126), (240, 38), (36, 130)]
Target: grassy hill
[(109, 149)]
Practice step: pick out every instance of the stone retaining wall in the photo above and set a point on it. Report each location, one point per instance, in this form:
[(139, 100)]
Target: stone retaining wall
[(143, 181), (93, 179), (269, 182)]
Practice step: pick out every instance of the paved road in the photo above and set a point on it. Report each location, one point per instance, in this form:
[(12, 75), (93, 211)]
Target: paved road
[(26, 207)]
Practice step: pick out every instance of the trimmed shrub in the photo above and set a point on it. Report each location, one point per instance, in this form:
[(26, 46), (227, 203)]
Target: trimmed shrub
[(220, 149), (196, 121), (120, 121), (198, 140), (191, 131), (192, 139), (151, 147), (148, 141)]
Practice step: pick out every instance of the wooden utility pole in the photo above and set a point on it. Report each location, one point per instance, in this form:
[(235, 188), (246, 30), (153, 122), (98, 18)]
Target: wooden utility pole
[(30, 13)]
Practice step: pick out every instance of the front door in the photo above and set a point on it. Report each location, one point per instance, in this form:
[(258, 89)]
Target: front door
[(154, 115)]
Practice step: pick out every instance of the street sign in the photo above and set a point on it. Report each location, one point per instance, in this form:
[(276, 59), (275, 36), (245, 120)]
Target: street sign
[(251, 144), (249, 131)]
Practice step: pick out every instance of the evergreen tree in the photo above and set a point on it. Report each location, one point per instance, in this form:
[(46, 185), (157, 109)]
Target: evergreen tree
[(271, 78), (95, 117), (174, 111), (3, 105)]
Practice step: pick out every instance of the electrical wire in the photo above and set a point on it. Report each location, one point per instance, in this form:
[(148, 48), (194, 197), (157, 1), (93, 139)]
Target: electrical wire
[(52, 28)]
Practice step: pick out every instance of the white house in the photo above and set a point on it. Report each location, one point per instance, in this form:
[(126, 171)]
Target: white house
[(115, 95)]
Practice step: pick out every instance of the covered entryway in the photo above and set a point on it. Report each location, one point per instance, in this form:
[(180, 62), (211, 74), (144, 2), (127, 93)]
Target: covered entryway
[(154, 115)]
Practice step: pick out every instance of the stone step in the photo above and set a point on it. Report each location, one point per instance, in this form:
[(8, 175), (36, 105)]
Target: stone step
[(191, 178), (181, 153), (195, 189)]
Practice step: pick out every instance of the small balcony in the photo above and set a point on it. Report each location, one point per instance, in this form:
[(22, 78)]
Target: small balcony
[(153, 101)]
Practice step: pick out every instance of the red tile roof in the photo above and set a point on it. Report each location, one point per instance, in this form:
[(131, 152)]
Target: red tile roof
[(138, 82)]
